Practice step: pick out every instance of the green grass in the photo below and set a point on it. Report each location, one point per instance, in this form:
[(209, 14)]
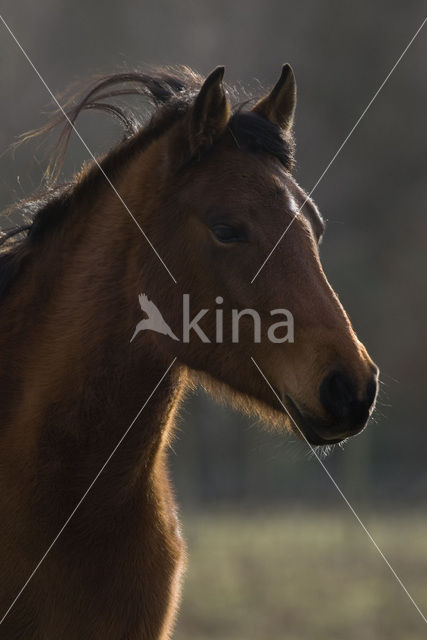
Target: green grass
[(302, 576)]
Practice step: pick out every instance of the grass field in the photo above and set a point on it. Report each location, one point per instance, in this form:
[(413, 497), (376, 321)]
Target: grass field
[(302, 576)]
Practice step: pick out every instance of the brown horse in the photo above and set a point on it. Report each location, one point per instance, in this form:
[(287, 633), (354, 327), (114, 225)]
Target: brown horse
[(212, 189)]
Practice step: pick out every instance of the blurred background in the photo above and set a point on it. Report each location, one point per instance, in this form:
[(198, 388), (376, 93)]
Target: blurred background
[(274, 552)]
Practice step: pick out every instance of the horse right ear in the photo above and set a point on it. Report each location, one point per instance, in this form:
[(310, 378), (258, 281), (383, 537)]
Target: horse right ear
[(279, 105), (210, 113)]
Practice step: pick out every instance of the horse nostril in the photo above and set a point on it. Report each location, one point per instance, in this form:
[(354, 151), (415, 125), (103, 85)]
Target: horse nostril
[(337, 394)]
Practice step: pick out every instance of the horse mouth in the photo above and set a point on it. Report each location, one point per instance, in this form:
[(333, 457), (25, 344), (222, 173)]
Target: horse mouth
[(305, 427)]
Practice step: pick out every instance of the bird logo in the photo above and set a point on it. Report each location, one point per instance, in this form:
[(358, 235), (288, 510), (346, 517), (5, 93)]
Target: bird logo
[(154, 321)]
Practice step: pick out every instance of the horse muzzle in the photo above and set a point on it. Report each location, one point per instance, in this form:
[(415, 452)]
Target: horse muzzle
[(346, 409)]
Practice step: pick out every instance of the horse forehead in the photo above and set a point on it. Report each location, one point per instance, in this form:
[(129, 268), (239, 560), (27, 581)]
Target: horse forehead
[(261, 180), (249, 177)]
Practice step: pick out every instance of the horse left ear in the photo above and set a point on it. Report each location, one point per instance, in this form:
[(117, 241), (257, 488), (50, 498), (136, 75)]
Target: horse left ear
[(279, 105), (210, 113)]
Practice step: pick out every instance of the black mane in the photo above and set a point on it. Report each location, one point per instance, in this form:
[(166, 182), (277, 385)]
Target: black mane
[(170, 92)]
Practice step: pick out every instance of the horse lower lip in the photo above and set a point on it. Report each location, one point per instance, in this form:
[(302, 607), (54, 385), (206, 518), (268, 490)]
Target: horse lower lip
[(306, 430)]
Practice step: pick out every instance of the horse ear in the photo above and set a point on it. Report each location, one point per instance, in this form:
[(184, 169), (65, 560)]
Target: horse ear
[(210, 113), (279, 105)]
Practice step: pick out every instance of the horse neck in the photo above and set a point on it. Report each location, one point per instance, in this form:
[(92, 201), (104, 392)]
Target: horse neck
[(74, 382)]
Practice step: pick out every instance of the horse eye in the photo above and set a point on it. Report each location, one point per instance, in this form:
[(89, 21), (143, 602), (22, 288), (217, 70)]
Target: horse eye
[(226, 233)]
